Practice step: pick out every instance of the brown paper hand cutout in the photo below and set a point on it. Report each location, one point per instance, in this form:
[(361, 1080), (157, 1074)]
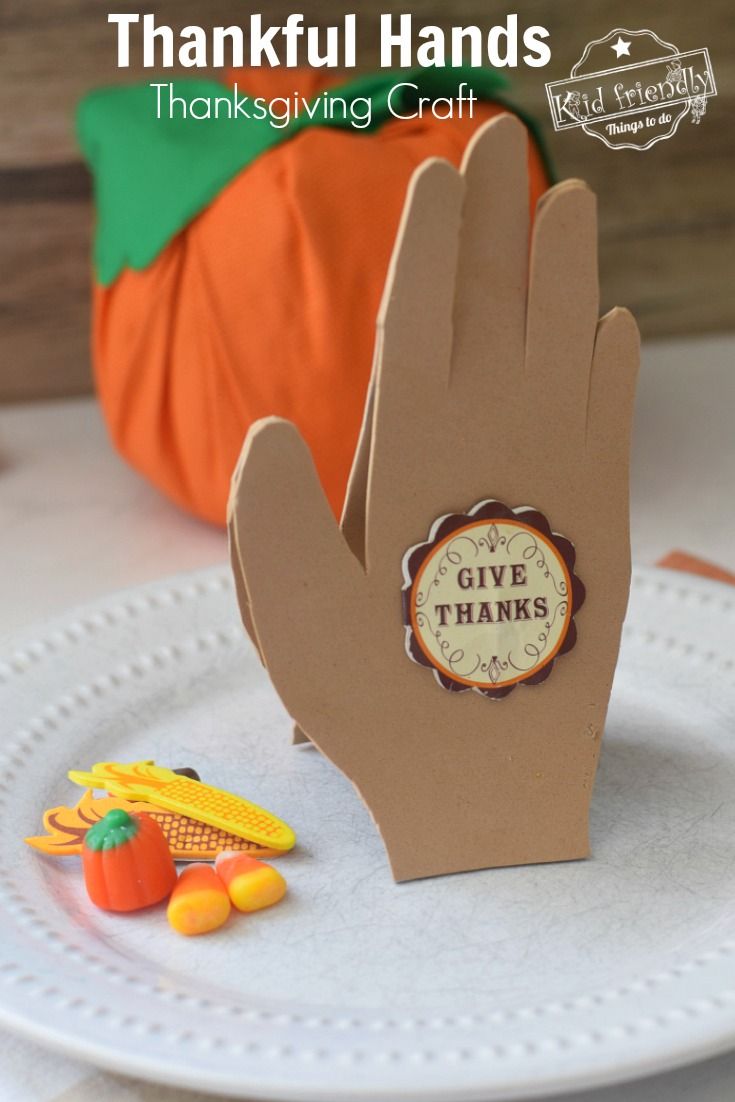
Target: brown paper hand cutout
[(493, 379)]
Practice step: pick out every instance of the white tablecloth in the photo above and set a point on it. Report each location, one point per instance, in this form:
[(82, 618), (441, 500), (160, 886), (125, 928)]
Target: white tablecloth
[(75, 523)]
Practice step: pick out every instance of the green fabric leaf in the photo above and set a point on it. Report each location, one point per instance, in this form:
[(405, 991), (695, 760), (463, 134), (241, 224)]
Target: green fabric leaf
[(153, 176)]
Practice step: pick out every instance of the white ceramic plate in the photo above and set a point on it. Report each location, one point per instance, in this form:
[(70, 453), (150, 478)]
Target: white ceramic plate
[(487, 985)]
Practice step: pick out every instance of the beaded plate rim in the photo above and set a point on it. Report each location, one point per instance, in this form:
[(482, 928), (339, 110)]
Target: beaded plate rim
[(325, 1049)]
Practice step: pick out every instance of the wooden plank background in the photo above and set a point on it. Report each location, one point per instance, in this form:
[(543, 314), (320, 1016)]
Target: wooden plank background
[(667, 215)]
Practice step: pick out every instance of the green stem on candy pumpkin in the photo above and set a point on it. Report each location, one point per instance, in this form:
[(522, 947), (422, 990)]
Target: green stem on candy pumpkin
[(114, 830)]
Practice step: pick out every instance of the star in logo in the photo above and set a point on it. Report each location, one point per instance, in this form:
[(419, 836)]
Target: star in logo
[(621, 47)]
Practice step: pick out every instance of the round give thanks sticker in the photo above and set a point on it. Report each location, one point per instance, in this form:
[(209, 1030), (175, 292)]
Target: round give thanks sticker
[(490, 599)]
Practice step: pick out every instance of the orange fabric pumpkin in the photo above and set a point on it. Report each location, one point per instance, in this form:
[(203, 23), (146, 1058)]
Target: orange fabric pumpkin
[(266, 304)]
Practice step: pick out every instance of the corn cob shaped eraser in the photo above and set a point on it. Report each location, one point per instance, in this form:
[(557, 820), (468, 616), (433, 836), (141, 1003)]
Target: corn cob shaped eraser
[(164, 788)]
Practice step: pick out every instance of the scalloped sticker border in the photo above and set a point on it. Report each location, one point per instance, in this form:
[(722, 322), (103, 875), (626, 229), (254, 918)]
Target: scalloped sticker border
[(482, 531)]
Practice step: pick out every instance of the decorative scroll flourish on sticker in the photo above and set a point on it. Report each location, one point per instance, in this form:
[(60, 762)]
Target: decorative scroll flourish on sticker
[(489, 599)]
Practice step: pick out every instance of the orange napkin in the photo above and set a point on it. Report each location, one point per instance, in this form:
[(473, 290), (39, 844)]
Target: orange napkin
[(690, 564)]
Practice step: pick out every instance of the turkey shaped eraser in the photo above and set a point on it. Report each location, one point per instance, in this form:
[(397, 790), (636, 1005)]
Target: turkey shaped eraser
[(451, 645)]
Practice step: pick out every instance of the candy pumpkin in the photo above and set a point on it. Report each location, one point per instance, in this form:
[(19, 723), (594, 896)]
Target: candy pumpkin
[(127, 863), (239, 267)]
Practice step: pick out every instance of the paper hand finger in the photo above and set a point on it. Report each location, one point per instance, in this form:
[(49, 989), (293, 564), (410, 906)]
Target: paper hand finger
[(294, 561)]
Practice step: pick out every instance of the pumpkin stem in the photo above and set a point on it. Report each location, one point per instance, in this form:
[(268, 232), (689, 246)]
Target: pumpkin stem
[(114, 830)]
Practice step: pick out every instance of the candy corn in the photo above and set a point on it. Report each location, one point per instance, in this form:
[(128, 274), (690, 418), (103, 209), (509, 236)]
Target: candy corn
[(251, 884), (199, 902)]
